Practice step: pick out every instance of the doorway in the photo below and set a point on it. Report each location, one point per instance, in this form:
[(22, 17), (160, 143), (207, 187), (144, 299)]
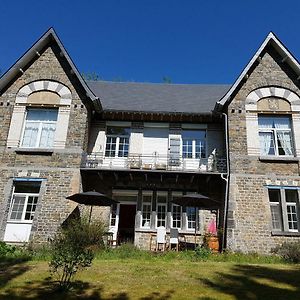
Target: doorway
[(126, 223)]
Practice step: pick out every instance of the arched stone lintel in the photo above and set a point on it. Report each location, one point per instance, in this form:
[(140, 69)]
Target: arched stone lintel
[(45, 85), (272, 91)]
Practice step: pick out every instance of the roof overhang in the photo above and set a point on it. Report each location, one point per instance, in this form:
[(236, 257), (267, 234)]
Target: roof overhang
[(287, 56), (33, 52)]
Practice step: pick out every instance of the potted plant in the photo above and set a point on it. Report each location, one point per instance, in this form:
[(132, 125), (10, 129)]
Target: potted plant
[(211, 239)]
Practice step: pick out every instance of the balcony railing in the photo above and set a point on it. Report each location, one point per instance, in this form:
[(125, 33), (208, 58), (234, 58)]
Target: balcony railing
[(154, 162)]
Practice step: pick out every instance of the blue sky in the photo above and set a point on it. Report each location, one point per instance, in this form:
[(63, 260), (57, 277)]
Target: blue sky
[(191, 41)]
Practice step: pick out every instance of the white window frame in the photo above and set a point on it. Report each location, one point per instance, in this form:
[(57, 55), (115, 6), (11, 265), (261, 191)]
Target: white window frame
[(283, 207), (117, 137), (142, 212), (160, 204), (274, 132), (40, 127), (194, 140), (172, 219), (195, 221), (26, 195)]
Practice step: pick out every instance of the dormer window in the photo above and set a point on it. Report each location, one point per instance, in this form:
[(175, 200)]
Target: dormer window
[(275, 135), (39, 128)]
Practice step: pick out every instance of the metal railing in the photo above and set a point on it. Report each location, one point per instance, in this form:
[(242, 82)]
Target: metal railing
[(154, 162)]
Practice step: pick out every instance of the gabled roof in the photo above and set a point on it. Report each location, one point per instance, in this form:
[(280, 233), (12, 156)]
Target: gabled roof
[(48, 37), (282, 50), (157, 97)]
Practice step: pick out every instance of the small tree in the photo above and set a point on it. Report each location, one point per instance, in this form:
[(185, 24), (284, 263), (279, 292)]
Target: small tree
[(72, 249)]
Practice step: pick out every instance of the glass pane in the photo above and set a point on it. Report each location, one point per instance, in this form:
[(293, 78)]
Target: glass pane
[(274, 195), (32, 187), (42, 114), (30, 134), (291, 196), (17, 207), (200, 149), (191, 217), (161, 215), (267, 122), (123, 147), (187, 148), (113, 215), (276, 217), (267, 145), (119, 131), (284, 141), (292, 217), (31, 207), (110, 149), (146, 215), (176, 216), (47, 135)]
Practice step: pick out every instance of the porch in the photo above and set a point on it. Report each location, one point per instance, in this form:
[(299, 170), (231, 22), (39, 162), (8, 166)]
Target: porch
[(145, 202)]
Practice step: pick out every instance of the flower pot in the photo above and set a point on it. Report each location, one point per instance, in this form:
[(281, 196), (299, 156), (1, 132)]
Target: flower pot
[(213, 243)]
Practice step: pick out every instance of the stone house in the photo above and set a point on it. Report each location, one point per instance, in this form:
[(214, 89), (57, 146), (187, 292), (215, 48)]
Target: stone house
[(145, 144)]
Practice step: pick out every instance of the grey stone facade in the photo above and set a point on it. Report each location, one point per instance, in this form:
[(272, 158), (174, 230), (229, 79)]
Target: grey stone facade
[(58, 170), (249, 217), (249, 220)]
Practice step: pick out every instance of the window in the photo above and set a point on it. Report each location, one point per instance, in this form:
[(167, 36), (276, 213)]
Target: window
[(176, 216), (275, 135), (191, 217), (39, 128), (113, 214), (117, 142), (24, 201), (161, 210), (146, 211), (284, 206), (193, 144)]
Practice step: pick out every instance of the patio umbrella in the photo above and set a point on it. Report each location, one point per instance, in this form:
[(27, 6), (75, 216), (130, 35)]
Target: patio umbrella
[(197, 201), (92, 198)]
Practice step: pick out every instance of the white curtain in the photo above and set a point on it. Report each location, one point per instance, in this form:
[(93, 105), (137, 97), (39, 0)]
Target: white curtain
[(30, 134), (265, 143), (284, 137)]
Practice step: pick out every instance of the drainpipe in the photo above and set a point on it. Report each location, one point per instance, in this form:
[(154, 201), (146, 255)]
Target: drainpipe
[(226, 178)]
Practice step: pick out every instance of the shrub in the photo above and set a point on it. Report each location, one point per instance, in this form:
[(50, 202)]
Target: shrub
[(73, 249), (203, 253), (290, 251), (6, 249)]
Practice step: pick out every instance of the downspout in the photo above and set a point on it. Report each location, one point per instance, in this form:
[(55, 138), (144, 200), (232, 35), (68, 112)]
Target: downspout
[(226, 178)]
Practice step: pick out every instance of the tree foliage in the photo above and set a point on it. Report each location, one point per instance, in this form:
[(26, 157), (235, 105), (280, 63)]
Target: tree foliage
[(73, 249)]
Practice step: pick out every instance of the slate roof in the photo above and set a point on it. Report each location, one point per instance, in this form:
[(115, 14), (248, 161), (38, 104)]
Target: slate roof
[(156, 97)]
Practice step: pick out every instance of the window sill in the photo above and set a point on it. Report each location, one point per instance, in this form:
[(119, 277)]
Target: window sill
[(286, 159), (34, 151), (285, 233)]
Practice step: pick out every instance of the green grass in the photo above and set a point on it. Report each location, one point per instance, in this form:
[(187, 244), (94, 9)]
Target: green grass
[(126, 273)]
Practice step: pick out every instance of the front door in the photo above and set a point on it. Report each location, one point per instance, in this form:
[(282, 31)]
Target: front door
[(126, 223)]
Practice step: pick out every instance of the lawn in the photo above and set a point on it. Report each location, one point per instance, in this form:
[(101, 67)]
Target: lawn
[(155, 277)]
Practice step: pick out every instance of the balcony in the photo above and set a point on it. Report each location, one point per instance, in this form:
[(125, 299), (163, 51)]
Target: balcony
[(157, 162)]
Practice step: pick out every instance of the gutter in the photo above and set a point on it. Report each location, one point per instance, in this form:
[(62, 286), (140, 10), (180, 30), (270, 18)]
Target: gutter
[(227, 183)]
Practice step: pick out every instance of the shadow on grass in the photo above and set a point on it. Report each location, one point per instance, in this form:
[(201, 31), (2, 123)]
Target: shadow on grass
[(250, 282), (47, 289), (11, 268)]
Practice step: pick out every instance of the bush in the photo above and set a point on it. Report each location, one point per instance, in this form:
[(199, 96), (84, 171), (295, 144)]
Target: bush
[(289, 251), (6, 250), (73, 249), (203, 253)]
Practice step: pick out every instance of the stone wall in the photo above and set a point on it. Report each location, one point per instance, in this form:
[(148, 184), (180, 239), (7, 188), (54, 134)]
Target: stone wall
[(60, 169), (249, 217)]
